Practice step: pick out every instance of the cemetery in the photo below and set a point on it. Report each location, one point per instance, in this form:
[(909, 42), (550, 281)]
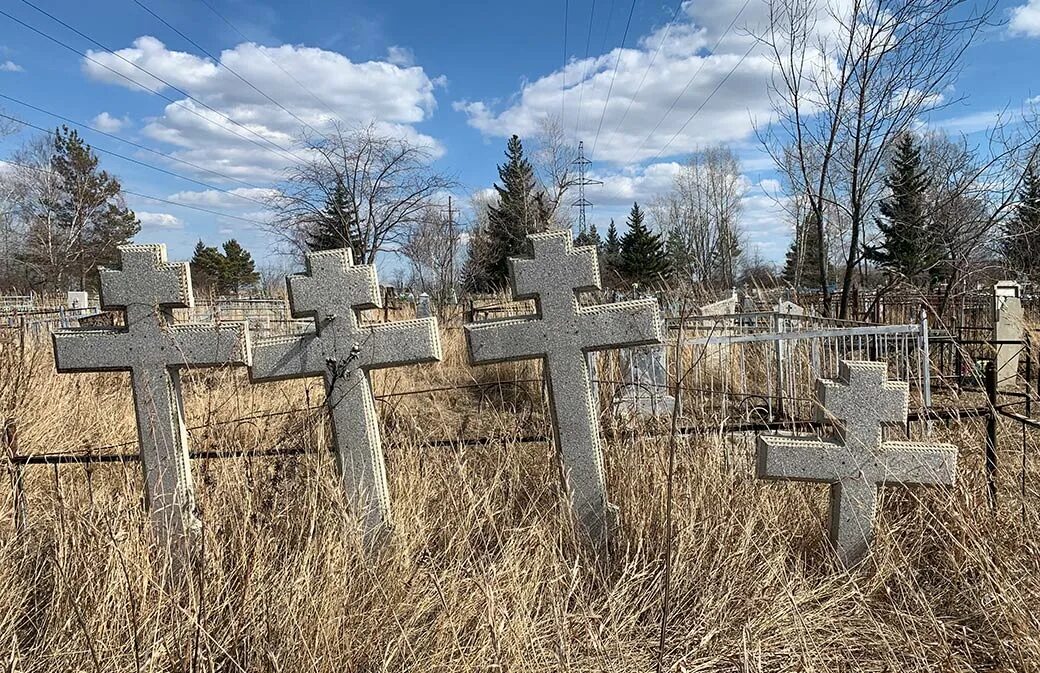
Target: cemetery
[(572, 337), (505, 474)]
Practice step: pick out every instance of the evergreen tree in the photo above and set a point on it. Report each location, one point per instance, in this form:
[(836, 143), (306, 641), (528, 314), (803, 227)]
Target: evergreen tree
[(643, 257), (238, 270), (907, 246), (802, 264), (520, 211), (611, 266), (207, 264), (336, 225), (589, 237), (1021, 243), (678, 256), (82, 221)]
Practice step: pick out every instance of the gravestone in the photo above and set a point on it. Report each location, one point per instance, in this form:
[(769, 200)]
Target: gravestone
[(561, 334), (1008, 325), (77, 300), (858, 462), (645, 373), (147, 288), (422, 306), (343, 349), (727, 306), (787, 307)]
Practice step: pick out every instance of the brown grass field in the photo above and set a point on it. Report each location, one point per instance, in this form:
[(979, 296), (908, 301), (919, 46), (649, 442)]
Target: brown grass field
[(484, 570)]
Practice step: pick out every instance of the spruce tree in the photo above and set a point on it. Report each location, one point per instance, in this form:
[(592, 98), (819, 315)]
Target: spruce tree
[(678, 255), (1021, 243), (238, 270), (207, 264), (336, 225), (643, 257), (520, 211), (802, 263), (589, 237), (907, 246), (610, 267)]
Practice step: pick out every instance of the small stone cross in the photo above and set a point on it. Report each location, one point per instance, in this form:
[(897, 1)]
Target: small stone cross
[(859, 462), (561, 334), (343, 351), (154, 351)]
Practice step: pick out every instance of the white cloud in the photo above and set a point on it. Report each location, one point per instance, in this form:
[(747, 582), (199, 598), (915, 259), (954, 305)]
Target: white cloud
[(401, 56), (1025, 19), (159, 220), (639, 119), (969, 123), (334, 88), (109, 124), (11, 66), (247, 197)]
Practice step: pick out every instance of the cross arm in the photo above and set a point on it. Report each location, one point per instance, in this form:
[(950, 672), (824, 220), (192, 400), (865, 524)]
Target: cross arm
[(791, 458), (92, 350), (283, 358), (505, 340), (910, 463), (629, 323), (400, 343), (205, 345)]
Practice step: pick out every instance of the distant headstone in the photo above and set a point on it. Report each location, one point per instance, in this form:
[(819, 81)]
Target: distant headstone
[(344, 350), (77, 300), (727, 306), (645, 373), (1008, 325), (785, 307), (423, 308), (561, 335), (155, 351), (858, 462)]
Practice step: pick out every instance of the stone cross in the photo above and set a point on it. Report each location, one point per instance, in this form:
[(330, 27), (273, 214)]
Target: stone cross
[(561, 334), (343, 349), (154, 351), (859, 462)]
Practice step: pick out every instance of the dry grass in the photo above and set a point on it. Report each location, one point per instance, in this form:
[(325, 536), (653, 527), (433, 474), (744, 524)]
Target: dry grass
[(484, 572)]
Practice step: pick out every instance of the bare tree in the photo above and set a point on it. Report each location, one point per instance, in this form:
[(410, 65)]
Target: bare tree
[(700, 216), (387, 183), (555, 168), (848, 79), (432, 250)]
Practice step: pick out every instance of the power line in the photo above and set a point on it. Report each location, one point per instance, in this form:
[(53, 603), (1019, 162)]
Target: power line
[(650, 65), (705, 101), (139, 146), (140, 163), (585, 74), (220, 63), (269, 143), (148, 196), (689, 83), (563, 70), (610, 89), (581, 203), (274, 62)]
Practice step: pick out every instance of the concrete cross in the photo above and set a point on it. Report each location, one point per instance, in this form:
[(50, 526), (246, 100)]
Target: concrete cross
[(343, 350), (858, 463), (154, 351), (561, 334)]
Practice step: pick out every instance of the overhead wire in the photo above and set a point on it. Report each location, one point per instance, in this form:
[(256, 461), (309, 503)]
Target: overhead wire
[(610, 89), (585, 74), (268, 144)]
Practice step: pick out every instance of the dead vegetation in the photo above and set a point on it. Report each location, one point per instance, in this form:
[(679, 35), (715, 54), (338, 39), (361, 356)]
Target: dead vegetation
[(484, 571)]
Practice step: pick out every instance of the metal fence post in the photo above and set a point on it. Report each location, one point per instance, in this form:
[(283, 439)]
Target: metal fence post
[(991, 434)]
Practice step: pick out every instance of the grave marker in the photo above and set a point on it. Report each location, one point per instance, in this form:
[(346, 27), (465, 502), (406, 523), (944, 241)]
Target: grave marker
[(344, 350), (154, 351), (1008, 326), (859, 462), (561, 334)]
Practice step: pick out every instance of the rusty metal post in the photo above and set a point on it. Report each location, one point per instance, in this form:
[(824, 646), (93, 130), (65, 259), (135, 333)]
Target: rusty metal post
[(991, 434), (10, 441)]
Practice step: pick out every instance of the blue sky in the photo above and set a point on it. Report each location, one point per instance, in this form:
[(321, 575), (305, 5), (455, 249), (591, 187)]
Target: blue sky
[(459, 77)]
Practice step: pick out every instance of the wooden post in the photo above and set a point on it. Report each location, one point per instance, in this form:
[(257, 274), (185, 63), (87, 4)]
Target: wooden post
[(991, 434)]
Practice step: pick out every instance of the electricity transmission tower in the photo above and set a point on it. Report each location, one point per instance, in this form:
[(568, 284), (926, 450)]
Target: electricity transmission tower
[(581, 203)]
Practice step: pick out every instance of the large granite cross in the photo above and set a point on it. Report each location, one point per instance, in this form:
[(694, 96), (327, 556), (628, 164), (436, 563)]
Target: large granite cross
[(344, 350), (859, 462), (561, 334), (154, 351)]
